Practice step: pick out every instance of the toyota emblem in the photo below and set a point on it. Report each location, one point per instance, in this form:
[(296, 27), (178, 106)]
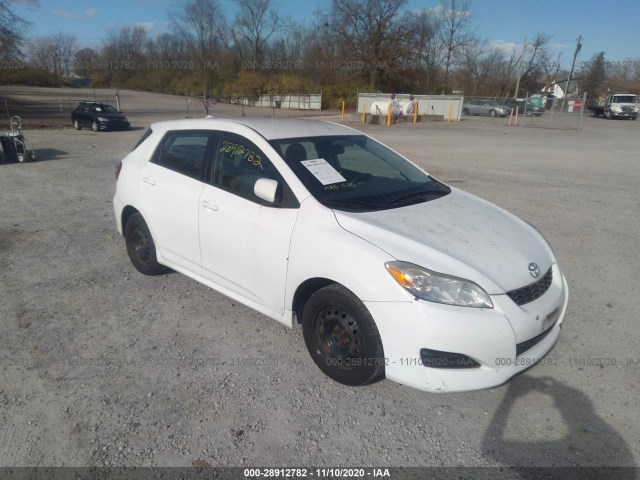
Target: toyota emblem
[(534, 270)]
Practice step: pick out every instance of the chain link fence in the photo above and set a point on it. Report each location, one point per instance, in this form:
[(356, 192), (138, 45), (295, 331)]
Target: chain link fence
[(533, 111), (559, 113)]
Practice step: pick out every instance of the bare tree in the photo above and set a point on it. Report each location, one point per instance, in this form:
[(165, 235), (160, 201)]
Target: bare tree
[(255, 23), (455, 31), (421, 46), (12, 28), (41, 53), (478, 64), (202, 25), (85, 61), (370, 30), (53, 53), (64, 47), (535, 60), (169, 48)]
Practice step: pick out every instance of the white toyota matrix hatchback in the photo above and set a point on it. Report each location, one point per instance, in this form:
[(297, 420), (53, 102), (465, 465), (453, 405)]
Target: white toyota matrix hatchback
[(391, 272)]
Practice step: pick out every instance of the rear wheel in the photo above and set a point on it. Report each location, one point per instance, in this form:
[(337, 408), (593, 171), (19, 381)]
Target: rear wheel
[(342, 337), (140, 246), (492, 113)]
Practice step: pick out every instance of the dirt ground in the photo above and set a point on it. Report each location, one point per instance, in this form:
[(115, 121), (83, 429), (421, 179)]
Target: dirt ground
[(102, 366)]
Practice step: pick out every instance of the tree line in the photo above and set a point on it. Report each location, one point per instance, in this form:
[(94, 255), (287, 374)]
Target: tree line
[(355, 45)]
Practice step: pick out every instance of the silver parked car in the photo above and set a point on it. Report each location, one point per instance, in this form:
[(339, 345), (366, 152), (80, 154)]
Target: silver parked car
[(485, 107)]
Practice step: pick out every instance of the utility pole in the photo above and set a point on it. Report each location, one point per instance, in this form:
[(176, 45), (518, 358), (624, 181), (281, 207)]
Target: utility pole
[(573, 64)]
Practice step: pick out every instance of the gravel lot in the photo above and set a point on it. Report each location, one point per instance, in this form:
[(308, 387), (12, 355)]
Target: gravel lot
[(102, 366)]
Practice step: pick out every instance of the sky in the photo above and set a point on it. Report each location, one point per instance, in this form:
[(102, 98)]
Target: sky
[(611, 26)]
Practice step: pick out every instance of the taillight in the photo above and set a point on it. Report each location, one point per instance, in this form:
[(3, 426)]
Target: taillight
[(118, 169)]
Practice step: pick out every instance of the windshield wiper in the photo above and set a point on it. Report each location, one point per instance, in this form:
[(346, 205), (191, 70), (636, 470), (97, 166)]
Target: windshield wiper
[(353, 204), (438, 191)]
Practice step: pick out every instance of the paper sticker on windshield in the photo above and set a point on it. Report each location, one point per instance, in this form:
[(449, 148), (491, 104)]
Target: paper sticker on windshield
[(323, 171), (98, 109)]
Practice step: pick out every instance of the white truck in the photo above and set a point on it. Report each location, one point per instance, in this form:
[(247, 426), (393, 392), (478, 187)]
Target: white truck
[(616, 105)]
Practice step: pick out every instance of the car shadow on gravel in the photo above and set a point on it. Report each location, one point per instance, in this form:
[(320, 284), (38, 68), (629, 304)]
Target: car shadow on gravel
[(581, 439)]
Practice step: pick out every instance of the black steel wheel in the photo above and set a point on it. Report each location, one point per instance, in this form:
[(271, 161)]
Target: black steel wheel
[(342, 337), (140, 246)]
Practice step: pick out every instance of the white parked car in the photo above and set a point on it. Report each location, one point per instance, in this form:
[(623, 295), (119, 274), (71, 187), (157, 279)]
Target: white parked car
[(391, 272)]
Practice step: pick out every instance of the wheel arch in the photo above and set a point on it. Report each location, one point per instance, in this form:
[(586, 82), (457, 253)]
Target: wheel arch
[(304, 291), (126, 213)]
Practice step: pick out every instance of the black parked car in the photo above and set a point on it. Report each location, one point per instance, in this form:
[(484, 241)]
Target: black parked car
[(524, 107), (98, 116)]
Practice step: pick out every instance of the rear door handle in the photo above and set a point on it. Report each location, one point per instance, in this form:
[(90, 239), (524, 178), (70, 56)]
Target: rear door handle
[(208, 204), (149, 180)]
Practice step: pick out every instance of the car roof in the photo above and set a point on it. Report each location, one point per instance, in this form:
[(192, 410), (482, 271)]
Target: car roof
[(269, 128), (92, 104)]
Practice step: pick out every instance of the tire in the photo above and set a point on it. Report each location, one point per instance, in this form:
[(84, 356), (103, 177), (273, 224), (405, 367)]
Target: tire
[(607, 115), (140, 246), (76, 125), (492, 113), (94, 126), (22, 158), (342, 337), (633, 118), (465, 112)]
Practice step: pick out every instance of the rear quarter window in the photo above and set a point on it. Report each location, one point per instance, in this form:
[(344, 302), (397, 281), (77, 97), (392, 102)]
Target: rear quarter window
[(146, 135)]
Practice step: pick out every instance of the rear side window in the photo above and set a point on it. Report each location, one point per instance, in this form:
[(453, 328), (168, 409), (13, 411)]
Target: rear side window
[(184, 152)]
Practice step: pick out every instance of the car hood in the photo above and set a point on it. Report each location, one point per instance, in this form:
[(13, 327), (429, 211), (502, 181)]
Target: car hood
[(111, 116), (460, 235)]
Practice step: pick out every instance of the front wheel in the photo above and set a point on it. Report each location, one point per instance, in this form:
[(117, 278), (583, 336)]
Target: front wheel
[(140, 246), (22, 158), (465, 112), (492, 113), (76, 125), (94, 126), (342, 337)]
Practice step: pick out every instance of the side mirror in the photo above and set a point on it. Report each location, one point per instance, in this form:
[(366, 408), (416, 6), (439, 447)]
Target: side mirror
[(266, 189)]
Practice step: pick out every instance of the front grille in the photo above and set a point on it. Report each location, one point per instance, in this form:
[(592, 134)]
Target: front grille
[(532, 291), (532, 342), (438, 359), (627, 109)]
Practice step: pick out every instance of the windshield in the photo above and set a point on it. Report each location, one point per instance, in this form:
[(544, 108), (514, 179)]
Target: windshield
[(624, 99), (356, 173), (105, 108)]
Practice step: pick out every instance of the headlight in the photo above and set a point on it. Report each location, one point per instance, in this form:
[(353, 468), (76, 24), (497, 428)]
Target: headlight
[(437, 287), (616, 108)]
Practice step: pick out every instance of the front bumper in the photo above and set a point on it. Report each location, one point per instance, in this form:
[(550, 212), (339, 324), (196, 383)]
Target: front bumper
[(624, 114), (105, 126), (504, 340)]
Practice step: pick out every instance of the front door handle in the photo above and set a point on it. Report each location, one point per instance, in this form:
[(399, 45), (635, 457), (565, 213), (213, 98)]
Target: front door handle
[(209, 205), (149, 180)]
